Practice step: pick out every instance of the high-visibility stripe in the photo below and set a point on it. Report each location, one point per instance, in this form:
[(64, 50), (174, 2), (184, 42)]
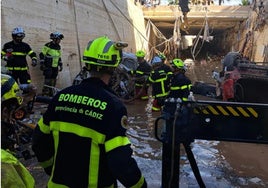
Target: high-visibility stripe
[(223, 111), (94, 165), (78, 130), (181, 87), (144, 97), (205, 111), (231, 109), (161, 94), (19, 53), (243, 112), (116, 142), (156, 109), (139, 72), (184, 99), (43, 127), (17, 68), (47, 163), (213, 110), (227, 111), (253, 112)]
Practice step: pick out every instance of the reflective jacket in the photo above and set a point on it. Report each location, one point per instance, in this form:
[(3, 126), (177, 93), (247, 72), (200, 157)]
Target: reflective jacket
[(81, 139), (51, 54), (180, 87), (13, 173), (143, 69), (160, 80), (15, 54)]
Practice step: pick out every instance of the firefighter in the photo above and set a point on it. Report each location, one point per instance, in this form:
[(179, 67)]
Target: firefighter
[(180, 84), (141, 73), (185, 9), (50, 62), (14, 53), (13, 173), (81, 139), (160, 80)]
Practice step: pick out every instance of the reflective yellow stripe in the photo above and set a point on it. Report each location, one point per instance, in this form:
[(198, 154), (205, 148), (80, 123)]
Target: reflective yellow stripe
[(205, 111), (137, 84), (156, 109), (223, 111), (30, 52), (19, 53), (139, 72), (232, 111), (184, 99), (94, 165), (213, 110), (116, 142), (47, 163), (253, 112), (79, 130), (139, 183), (43, 127), (144, 97), (243, 111), (17, 68), (175, 88), (56, 143), (182, 87)]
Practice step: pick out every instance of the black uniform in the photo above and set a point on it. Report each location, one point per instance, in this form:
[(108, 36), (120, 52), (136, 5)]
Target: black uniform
[(180, 87), (142, 70), (160, 80), (82, 136), (15, 55)]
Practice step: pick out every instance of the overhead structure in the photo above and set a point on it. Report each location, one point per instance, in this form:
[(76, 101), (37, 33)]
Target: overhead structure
[(219, 18)]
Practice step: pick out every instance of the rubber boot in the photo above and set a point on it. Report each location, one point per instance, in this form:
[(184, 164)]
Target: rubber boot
[(45, 91), (52, 84)]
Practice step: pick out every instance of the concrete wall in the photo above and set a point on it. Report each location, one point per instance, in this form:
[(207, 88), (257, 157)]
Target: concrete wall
[(79, 21), (250, 37)]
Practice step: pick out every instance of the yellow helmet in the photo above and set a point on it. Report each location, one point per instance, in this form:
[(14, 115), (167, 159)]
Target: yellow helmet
[(102, 52), (9, 89), (178, 64), (140, 53)]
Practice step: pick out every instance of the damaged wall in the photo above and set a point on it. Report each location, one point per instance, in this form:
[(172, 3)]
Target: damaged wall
[(79, 21), (250, 37)]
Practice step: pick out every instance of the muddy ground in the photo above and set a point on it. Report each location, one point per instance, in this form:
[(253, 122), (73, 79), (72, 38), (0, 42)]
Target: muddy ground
[(222, 164)]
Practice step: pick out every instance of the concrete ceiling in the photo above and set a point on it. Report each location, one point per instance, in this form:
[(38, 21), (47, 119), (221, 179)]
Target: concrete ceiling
[(219, 18)]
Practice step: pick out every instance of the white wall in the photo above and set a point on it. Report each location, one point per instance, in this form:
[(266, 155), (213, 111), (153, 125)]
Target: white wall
[(79, 21)]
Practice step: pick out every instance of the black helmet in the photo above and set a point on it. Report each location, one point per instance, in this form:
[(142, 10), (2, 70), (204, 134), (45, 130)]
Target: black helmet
[(56, 35)]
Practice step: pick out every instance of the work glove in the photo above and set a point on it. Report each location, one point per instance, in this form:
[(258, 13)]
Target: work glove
[(34, 62), (60, 68)]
